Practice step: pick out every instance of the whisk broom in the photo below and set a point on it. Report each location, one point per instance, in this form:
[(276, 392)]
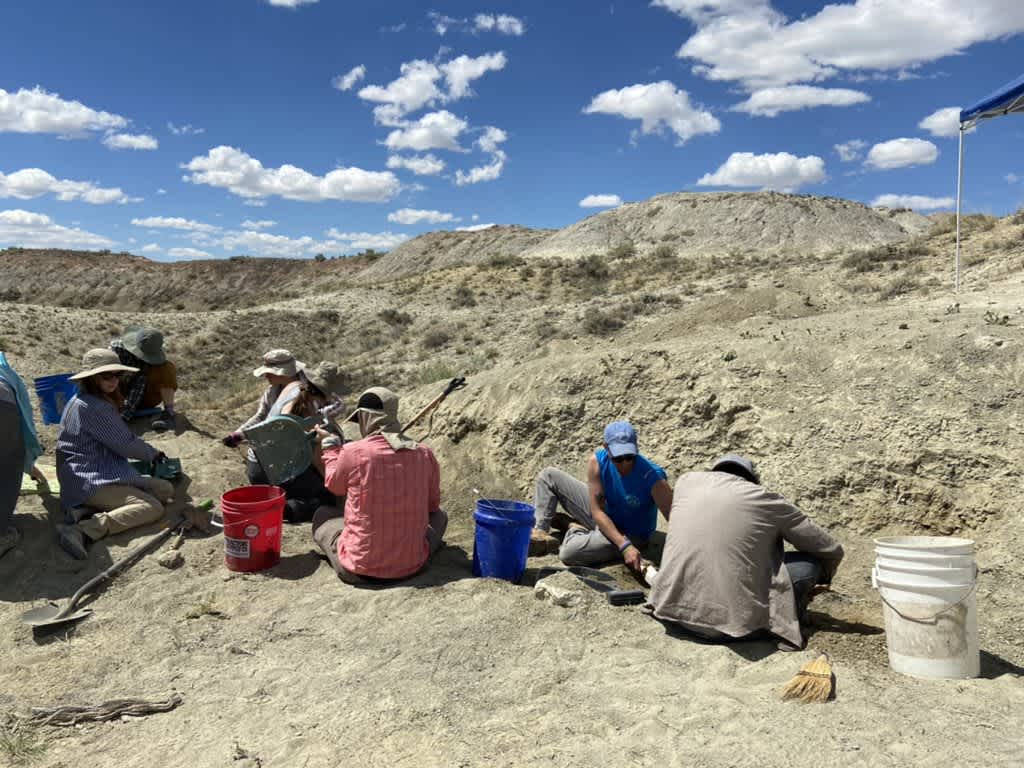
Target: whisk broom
[(814, 682)]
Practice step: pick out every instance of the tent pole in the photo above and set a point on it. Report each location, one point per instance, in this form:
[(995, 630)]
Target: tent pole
[(959, 196)]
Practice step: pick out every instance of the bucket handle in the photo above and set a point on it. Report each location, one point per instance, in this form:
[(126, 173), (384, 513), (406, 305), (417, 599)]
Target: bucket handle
[(923, 619)]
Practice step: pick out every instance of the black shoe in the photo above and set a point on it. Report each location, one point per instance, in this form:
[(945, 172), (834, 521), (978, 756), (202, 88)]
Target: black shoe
[(298, 511), (163, 422)]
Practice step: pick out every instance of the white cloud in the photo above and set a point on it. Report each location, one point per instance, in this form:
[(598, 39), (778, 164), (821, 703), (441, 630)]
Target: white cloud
[(417, 86), (291, 3), (37, 111), (436, 130), (265, 244), (174, 222), (230, 168), (35, 182), (261, 224), (34, 230), (188, 253), (360, 241), (161, 191), (657, 106), (601, 201), (769, 102), (463, 70), (443, 23), (1011, 178), (917, 202), (488, 142), (421, 165), (409, 216), (185, 130), (349, 79), (944, 123), (475, 227), (850, 151), (503, 23), (151, 248), (750, 41), (781, 171), (901, 153), (130, 141)]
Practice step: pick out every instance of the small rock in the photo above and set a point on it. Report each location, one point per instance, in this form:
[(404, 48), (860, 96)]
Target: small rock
[(904, 326), (171, 559), (565, 594)]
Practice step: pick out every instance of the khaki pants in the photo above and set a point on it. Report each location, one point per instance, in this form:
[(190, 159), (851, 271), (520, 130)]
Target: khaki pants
[(123, 507)]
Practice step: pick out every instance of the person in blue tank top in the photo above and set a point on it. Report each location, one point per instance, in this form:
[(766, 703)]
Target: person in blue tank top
[(613, 514)]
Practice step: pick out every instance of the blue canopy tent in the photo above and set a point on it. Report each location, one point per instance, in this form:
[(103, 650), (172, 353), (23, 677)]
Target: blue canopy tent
[(1008, 99)]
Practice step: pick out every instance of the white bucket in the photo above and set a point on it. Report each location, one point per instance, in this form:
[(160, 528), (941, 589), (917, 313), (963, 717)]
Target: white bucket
[(927, 585)]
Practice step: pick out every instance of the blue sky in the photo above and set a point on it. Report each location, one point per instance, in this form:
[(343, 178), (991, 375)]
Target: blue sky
[(293, 127)]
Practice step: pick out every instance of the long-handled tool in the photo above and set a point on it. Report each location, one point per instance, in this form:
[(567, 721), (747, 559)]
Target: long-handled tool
[(454, 384), (53, 615)]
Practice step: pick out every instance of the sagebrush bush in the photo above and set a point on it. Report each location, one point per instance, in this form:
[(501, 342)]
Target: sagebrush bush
[(395, 317)]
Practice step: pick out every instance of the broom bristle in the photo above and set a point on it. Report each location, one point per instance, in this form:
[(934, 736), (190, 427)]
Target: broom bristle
[(813, 683)]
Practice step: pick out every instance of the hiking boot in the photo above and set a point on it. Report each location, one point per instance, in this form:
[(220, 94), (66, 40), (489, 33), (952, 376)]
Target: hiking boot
[(561, 521), (78, 514), (542, 543), (163, 421), (9, 540), (72, 541)]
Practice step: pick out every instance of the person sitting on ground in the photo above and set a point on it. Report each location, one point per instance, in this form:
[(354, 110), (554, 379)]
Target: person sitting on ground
[(280, 368), (19, 450), (613, 514), (391, 522), (100, 492), (724, 574), (156, 379), (313, 389)]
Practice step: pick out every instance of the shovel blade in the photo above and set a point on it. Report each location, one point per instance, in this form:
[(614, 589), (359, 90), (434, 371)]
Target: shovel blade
[(282, 447), (50, 616)]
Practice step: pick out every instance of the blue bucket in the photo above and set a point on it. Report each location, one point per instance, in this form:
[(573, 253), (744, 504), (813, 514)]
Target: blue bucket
[(502, 538), (54, 392)]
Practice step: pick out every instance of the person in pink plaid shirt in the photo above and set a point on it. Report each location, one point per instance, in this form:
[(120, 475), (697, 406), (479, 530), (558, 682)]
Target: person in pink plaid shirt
[(392, 521)]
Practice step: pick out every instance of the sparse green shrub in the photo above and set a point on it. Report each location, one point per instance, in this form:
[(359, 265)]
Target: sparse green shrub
[(319, 258), (592, 269), (463, 297), (603, 322), (663, 253), (901, 285), (435, 370), (503, 260), (435, 338), (624, 250), (876, 258), (395, 317)]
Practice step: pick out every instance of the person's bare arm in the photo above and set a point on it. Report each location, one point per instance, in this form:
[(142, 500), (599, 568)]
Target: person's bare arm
[(662, 495), (604, 523)]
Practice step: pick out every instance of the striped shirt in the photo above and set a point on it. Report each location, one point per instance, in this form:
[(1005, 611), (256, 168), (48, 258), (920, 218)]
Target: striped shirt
[(270, 395), (389, 497), (93, 448), (133, 384)]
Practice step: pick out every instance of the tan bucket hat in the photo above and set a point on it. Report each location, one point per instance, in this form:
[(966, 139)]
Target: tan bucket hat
[(97, 361), (147, 344), (326, 377), (279, 362)]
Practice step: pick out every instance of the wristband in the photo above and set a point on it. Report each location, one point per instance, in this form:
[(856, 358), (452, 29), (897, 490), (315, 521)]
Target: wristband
[(626, 545)]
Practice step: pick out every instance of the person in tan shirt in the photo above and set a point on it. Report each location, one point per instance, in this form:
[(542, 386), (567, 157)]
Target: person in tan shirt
[(724, 573)]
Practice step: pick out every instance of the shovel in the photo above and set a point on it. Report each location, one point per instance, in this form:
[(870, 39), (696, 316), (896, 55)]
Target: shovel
[(52, 615)]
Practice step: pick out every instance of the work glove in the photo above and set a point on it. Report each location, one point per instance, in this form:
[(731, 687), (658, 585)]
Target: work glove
[(233, 439)]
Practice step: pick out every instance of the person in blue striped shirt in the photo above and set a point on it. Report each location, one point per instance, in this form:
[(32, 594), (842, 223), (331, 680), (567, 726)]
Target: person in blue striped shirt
[(101, 493)]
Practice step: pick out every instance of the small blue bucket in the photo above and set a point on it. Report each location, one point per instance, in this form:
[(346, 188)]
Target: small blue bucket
[(502, 538), (54, 392)]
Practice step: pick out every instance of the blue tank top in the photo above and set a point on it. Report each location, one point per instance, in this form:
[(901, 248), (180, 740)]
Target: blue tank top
[(628, 500)]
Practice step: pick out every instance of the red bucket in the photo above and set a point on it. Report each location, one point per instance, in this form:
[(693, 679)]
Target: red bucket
[(253, 516)]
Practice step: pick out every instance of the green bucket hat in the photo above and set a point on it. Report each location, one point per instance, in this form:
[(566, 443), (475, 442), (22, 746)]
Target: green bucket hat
[(147, 344)]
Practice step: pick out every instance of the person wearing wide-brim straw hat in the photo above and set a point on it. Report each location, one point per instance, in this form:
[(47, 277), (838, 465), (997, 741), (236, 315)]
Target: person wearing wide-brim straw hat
[(155, 382), (279, 368), (314, 388), (101, 493)]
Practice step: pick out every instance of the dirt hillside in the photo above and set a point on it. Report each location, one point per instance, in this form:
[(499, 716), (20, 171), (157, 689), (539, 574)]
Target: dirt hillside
[(867, 392)]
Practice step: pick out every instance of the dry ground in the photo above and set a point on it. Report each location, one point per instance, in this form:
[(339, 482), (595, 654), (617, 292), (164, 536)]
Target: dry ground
[(868, 393)]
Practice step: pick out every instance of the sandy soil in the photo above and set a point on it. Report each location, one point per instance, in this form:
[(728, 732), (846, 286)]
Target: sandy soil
[(901, 415)]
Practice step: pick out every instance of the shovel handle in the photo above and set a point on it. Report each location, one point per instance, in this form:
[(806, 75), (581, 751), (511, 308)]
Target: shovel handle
[(123, 564), (453, 385)]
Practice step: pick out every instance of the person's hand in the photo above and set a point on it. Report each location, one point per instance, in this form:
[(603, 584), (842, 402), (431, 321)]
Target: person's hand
[(634, 560), (233, 439), (321, 433), (42, 484), (160, 457)]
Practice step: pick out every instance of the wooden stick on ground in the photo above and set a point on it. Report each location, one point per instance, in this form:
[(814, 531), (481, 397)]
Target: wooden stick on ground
[(108, 710)]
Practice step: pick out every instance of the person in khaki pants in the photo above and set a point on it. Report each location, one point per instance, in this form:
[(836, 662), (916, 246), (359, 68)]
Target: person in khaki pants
[(101, 493)]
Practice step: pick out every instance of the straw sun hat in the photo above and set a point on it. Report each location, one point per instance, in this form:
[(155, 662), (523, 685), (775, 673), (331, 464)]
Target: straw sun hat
[(279, 362), (97, 361)]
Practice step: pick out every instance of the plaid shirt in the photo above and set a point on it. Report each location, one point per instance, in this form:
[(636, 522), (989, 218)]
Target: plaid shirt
[(93, 448), (133, 384), (389, 497)]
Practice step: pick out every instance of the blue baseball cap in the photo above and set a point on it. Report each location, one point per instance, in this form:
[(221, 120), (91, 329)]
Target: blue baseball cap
[(620, 437)]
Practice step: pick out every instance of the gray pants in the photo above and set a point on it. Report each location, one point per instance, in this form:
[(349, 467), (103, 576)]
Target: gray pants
[(12, 458), (579, 547), (329, 522)]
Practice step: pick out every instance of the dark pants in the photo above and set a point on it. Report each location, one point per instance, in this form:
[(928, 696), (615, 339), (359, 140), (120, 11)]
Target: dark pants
[(12, 460), (304, 493), (805, 572)]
